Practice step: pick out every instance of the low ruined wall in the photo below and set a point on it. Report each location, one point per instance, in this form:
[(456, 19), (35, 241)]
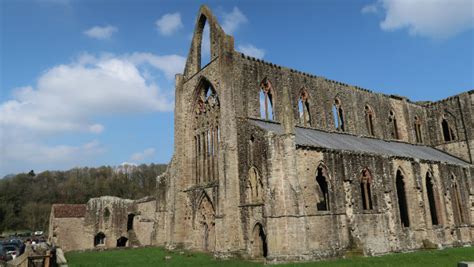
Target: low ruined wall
[(70, 234)]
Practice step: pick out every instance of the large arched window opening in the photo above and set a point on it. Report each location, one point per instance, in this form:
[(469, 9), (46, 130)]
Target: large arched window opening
[(430, 194), (365, 189), (303, 108), (369, 120), (448, 131), (204, 56), (418, 134), (254, 186), (266, 100), (402, 199), (99, 239), (338, 114), (458, 210), (206, 132), (322, 189), (392, 119), (259, 242)]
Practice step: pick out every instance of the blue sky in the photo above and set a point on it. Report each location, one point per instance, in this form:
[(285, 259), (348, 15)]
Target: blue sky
[(90, 83)]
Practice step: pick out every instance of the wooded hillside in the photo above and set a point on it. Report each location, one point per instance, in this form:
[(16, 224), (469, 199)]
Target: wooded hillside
[(26, 198)]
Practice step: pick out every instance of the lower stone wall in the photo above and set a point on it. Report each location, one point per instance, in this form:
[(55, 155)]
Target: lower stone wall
[(70, 234)]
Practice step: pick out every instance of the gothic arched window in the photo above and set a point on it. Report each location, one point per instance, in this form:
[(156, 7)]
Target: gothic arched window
[(369, 120), (448, 131), (402, 199), (266, 100), (418, 134), (322, 188), (303, 108), (338, 114), (206, 132), (431, 195), (365, 189), (392, 119)]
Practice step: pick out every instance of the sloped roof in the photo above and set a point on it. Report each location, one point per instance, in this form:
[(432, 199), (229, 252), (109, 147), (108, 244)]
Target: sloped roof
[(346, 142), (69, 210)]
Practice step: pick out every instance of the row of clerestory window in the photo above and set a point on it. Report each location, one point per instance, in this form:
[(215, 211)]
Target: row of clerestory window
[(267, 112)]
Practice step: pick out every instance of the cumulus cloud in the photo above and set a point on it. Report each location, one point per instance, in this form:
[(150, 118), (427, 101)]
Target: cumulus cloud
[(437, 19), (68, 99), (101, 33), (232, 20), (251, 50), (143, 155), (169, 64), (169, 23)]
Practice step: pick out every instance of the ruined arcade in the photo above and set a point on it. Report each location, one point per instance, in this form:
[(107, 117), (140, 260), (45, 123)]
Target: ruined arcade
[(276, 163)]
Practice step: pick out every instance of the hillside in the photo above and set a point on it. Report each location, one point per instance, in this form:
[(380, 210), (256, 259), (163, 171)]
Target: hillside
[(26, 198)]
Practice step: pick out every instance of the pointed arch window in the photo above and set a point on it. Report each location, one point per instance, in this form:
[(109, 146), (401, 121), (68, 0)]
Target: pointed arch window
[(402, 199), (204, 32), (392, 119), (369, 120), (431, 195), (266, 100), (448, 131), (322, 188), (254, 186), (206, 138), (458, 209), (303, 108), (365, 189), (417, 126), (338, 114)]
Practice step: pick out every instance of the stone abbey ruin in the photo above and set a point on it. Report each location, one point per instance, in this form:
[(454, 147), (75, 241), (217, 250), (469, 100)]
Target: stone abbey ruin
[(274, 163)]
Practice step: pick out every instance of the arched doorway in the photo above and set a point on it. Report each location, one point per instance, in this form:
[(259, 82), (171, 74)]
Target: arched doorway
[(122, 241), (206, 220), (131, 217), (259, 243)]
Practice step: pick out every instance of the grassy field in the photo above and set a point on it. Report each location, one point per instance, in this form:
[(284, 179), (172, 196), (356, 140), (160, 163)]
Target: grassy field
[(156, 257)]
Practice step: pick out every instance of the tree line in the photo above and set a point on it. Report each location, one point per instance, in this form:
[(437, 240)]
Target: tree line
[(26, 198)]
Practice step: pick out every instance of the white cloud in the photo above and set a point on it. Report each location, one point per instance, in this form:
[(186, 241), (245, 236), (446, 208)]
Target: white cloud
[(169, 64), (437, 19), (68, 99), (101, 33), (169, 23), (251, 50), (141, 156), (233, 20)]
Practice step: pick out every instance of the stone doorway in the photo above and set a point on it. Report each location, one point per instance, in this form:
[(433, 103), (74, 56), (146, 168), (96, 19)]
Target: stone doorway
[(259, 247), (122, 241), (207, 223)]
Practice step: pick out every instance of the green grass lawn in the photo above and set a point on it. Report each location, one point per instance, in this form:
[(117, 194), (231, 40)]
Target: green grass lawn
[(156, 257)]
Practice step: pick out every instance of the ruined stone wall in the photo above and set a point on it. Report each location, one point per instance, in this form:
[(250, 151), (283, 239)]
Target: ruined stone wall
[(459, 112), (70, 234), (204, 210), (250, 72), (293, 222)]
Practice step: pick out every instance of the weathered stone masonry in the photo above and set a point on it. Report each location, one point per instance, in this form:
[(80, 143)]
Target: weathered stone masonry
[(276, 163)]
